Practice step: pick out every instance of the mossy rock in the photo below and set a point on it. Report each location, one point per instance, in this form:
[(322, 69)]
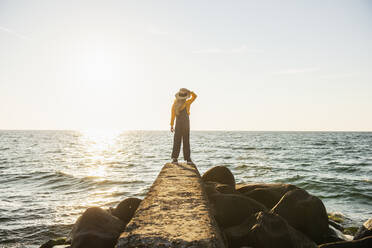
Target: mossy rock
[(350, 230), (336, 218)]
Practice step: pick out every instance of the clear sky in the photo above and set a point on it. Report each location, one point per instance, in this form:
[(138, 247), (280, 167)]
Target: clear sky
[(255, 65)]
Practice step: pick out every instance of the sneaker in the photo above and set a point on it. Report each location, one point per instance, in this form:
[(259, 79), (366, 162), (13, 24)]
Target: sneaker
[(174, 160), (189, 162)]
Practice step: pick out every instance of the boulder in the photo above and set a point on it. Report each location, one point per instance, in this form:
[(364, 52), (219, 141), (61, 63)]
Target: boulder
[(96, 228), (266, 230), (126, 209), (247, 187), (365, 230), (225, 189), (304, 212), (213, 188), (360, 243), (219, 174), (267, 194), (233, 209), (210, 188)]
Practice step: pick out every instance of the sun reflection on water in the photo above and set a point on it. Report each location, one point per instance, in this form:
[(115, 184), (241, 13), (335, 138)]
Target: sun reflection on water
[(99, 141), (99, 148)]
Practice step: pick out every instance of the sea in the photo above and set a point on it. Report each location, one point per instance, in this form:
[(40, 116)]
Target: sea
[(49, 178)]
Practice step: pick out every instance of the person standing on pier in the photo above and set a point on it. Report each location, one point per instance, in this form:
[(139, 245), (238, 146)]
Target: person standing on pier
[(181, 112)]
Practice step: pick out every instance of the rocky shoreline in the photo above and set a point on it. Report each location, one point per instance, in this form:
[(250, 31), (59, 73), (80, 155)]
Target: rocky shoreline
[(248, 215)]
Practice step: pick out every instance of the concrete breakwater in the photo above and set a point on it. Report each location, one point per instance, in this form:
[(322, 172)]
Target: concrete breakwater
[(183, 209), (175, 213)]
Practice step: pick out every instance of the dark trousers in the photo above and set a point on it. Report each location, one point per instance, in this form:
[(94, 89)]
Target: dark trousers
[(182, 133)]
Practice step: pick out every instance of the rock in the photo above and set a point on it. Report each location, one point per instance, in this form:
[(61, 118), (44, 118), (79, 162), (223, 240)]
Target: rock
[(213, 188), (336, 217), (267, 194), (225, 189), (210, 188), (335, 225), (365, 230), (267, 230), (96, 228), (334, 235), (304, 212), (247, 187), (126, 209), (54, 242), (219, 174), (360, 243), (233, 209), (350, 231)]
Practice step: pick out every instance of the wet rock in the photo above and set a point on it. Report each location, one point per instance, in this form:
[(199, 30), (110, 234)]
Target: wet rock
[(126, 209), (334, 235), (96, 228), (233, 209), (219, 174), (365, 230), (55, 242), (337, 217), (342, 223), (335, 225), (267, 194), (350, 231), (360, 243), (304, 212), (267, 230)]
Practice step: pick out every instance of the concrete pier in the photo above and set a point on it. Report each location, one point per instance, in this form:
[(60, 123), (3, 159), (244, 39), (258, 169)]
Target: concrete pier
[(175, 213)]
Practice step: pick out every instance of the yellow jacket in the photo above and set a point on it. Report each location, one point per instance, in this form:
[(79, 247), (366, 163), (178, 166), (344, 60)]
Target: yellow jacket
[(186, 105)]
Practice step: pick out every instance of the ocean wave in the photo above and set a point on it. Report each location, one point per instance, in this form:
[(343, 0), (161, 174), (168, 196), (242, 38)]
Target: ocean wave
[(6, 219), (243, 148), (240, 167), (333, 163), (322, 143), (57, 177), (10, 178), (94, 180), (362, 196), (34, 234)]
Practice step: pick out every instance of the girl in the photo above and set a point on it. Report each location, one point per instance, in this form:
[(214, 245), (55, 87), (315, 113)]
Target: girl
[(181, 112)]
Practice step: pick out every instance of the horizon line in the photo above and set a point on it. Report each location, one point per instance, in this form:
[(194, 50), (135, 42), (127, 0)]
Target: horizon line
[(196, 130)]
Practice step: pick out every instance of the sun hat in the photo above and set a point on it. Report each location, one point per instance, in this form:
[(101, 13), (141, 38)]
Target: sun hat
[(183, 94)]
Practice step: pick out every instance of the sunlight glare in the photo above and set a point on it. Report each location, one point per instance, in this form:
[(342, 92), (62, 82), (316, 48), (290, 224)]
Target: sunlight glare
[(100, 140), (98, 145)]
